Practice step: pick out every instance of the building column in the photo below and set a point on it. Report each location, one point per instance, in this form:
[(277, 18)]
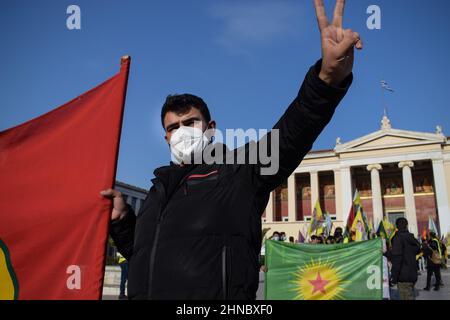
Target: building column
[(377, 201), (314, 183), (292, 199), (408, 190), (138, 205), (338, 196), (129, 199), (269, 209), (441, 196), (346, 192)]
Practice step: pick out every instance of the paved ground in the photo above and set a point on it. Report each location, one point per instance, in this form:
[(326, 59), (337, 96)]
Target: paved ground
[(442, 294)]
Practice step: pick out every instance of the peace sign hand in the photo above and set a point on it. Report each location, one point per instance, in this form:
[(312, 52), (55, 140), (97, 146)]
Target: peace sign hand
[(337, 44)]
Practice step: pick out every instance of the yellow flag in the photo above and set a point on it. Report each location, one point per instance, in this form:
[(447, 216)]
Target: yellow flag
[(389, 227), (358, 227), (371, 228), (357, 200), (316, 225)]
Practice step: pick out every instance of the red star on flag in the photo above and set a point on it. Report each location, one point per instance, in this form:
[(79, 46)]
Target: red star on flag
[(319, 284)]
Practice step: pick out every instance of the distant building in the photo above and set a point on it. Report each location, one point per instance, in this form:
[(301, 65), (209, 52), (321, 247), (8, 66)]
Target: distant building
[(133, 195), (398, 173)]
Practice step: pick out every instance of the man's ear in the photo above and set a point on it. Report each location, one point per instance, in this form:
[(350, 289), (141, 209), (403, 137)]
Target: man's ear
[(211, 129), (212, 124), (167, 139)]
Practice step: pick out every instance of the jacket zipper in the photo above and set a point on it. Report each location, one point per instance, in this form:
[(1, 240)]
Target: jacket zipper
[(224, 273), (156, 237), (153, 251)]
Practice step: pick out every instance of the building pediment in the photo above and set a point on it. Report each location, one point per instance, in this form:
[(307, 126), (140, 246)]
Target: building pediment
[(390, 138)]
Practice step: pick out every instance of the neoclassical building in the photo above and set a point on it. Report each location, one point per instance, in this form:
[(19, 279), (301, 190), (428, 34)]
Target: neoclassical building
[(133, 195), (397, 173)]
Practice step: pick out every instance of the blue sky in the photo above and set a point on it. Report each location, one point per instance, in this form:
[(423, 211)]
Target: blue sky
[(245, 58)]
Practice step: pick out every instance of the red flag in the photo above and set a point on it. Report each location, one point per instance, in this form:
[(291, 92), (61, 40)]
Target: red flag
[(53, 220)]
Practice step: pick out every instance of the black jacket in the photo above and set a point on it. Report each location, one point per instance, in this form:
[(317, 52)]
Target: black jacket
[(402, 255), (428, 251), (198, 233)]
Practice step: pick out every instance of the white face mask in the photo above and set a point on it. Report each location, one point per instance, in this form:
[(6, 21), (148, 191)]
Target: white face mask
[(185, 142)]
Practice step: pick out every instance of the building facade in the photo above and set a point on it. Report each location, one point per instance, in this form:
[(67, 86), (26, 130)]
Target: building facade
[(397, 173), (133, 195)]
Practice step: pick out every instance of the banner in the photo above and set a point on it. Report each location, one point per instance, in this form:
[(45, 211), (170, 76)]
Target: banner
[(352, 271), (53, 220)]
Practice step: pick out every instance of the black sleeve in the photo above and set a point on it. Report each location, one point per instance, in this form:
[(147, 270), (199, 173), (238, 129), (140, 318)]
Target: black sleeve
[(433, 245), (122, 232), (418, 249), (396, 255), (300, 125), (426, 251)]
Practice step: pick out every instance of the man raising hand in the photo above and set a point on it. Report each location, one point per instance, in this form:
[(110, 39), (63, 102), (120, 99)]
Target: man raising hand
[(198, 233)]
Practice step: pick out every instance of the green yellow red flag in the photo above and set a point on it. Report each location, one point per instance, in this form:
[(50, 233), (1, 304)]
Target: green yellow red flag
[(324, 272)]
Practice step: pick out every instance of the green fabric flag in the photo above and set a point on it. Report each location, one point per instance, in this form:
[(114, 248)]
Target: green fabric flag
[(381, 232), (351, 271)]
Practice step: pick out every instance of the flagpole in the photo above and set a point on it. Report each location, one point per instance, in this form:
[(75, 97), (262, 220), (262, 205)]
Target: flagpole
[(125, 62), (383, 102), (384, 87)]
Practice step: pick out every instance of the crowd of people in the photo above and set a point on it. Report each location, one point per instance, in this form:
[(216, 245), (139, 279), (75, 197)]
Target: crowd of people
[(336, 237), (409, 256)]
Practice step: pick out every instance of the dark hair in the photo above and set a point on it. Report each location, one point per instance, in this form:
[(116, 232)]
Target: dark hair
[(314, 237), (182, 103), (401, 223)]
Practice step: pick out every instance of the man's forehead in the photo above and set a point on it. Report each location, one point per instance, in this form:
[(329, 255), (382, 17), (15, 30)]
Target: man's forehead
[(173, 117)]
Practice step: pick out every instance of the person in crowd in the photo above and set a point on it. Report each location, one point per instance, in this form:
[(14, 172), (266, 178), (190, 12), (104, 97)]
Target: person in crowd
[(275, 236), (444, 252), (123, 263), (291, 239), (402, 255), (433, 255), (330, 240), (338, 237), (320, 239)]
